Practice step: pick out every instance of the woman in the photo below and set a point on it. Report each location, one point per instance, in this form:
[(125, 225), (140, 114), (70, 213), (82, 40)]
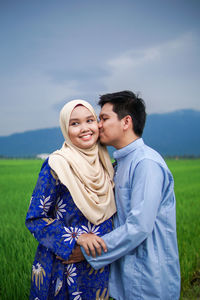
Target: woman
[(73, 196)]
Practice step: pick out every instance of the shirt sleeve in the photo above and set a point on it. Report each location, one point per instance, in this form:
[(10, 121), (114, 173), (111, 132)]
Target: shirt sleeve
[(145, 198), (41, 219)]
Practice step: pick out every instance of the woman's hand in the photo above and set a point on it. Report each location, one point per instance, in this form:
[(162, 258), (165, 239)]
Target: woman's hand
[(91, 243), (75, 257)]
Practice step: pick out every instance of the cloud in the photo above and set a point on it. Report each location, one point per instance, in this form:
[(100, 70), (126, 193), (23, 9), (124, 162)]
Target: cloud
[(159, 72), (134, 58), (28, 102), (154, 72), (166, 74), (141, 57), (82, 73)]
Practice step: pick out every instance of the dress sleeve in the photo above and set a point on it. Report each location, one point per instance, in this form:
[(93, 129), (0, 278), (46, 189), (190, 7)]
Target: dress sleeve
[(145, 198), (41, 219)]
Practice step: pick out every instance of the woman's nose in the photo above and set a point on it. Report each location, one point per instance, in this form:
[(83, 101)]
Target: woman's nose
[(84, 127)]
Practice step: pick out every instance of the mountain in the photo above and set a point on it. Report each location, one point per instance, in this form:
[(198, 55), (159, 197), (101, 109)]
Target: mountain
[(171, 134), (31, 143), (174, 134)]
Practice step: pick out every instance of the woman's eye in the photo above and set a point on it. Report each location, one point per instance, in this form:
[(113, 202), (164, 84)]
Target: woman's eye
[(74, 123), (90, 120)]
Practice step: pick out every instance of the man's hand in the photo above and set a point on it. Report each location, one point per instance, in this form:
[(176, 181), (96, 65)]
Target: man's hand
[(91, 243), (75, 257)]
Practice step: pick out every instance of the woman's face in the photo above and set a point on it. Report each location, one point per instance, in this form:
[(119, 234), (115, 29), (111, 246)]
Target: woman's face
[(83, 128)]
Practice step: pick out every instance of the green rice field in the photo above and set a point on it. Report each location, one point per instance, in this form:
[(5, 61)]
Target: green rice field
[(17, 245)]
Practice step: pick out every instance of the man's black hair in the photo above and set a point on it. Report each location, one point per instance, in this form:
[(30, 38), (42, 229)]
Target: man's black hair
[(127, 103)]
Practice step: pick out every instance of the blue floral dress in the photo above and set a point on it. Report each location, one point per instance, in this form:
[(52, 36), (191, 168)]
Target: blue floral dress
[(56, 222)]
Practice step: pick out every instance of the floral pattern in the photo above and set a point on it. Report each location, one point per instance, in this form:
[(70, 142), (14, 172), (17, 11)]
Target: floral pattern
[(45, 205), (72, 233), (70, 274), (58, 286), (90, 229), (59, 209), (56, 222), (38, 274), (77, 295)]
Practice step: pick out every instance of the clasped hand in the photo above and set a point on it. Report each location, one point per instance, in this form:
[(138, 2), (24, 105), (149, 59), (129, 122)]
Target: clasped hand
[(91, 244)]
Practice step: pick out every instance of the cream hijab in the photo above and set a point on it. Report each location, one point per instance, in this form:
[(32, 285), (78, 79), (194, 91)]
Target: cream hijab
[(87, 173)]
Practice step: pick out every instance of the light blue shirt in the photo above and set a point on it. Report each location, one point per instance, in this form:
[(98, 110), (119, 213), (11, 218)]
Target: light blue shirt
[(142, 249)]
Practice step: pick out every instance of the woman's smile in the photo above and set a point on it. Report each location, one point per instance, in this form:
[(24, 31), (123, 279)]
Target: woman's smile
[(83, 128), (86, 137)]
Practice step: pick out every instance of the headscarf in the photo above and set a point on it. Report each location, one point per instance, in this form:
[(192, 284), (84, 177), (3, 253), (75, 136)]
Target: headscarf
[(87, 173)]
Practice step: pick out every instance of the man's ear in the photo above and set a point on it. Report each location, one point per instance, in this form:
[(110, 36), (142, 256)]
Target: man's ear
[(128, 123)]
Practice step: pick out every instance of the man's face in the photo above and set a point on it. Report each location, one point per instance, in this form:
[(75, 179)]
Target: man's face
[(110, 127)]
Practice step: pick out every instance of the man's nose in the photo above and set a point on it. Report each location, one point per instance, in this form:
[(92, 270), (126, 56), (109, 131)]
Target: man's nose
[(100, 124)]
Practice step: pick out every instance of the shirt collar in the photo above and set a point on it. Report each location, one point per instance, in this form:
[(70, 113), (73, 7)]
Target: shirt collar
[(127, 149)]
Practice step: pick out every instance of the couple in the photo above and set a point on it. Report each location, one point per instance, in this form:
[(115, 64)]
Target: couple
[(73, 203)]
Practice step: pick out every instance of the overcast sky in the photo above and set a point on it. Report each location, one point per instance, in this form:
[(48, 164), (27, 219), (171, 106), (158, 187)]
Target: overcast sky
[(53, 51)]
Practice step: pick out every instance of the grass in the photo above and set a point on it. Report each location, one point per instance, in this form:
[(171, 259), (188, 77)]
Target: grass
[(17, 180), (187, 189)]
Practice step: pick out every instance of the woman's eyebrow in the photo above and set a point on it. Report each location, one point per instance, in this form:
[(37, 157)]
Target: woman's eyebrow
[(77, 119), (91, 116)]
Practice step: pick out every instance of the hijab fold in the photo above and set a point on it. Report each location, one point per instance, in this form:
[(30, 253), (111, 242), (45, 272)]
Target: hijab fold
[(87, 173)]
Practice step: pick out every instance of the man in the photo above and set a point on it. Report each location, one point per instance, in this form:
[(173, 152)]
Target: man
[(142, 248)]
